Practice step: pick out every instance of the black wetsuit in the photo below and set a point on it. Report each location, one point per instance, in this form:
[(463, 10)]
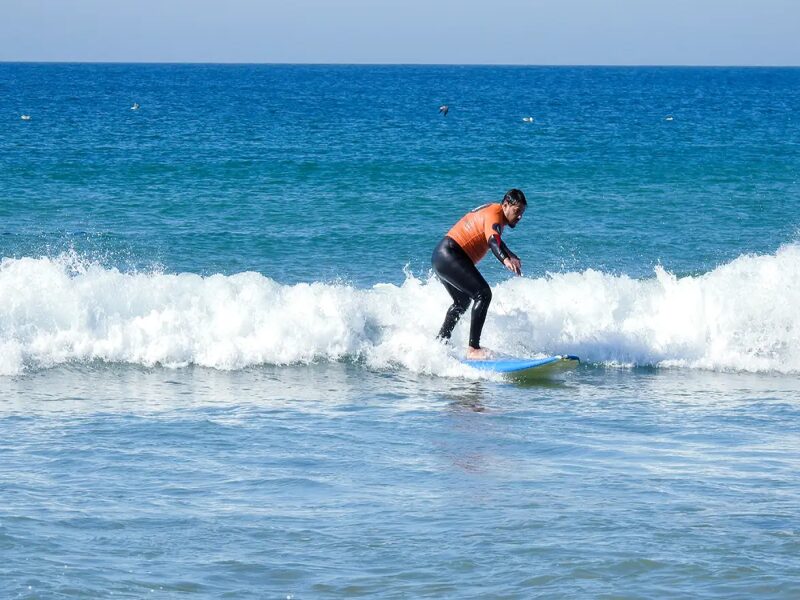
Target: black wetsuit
[(464, 283)]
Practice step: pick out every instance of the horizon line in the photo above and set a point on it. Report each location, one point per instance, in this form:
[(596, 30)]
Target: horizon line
[(400, 64)]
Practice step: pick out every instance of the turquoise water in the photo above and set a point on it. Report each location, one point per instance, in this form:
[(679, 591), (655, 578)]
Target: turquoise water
[(217, 374)]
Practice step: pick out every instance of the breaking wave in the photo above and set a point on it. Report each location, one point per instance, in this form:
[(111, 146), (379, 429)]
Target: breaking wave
[(742, 316)]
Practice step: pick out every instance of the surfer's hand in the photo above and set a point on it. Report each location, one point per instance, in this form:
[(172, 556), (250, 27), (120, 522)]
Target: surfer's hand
[(514, 265)]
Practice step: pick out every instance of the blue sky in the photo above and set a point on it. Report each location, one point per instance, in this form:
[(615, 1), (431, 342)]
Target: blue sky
[(553, 32)]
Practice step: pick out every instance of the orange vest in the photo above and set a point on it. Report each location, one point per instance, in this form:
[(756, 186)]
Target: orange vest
[(475, 228)]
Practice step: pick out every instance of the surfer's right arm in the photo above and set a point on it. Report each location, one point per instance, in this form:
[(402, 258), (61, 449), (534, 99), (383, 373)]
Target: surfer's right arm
[(498, 247), (514, 265)]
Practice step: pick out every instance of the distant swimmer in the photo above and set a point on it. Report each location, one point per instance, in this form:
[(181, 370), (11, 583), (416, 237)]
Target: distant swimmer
[(528, 119), (444, 109), (135, 106), (455, 257), (25, 117)]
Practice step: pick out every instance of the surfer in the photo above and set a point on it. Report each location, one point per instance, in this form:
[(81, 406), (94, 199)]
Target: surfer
[(455, 257)]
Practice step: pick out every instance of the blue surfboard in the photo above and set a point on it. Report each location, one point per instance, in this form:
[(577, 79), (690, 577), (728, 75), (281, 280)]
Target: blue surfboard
[(526, 368)]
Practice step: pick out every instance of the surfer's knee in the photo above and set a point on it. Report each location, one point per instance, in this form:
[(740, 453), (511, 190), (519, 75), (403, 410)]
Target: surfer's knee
[(483, 295), (460, 305)]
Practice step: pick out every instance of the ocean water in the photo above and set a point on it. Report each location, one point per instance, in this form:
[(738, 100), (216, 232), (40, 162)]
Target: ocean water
[(218, 377)]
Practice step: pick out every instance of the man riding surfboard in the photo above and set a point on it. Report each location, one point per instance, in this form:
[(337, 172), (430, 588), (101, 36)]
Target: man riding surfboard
[(455, 257)]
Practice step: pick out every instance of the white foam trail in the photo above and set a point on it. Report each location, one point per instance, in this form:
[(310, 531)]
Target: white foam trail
[(741, 316)]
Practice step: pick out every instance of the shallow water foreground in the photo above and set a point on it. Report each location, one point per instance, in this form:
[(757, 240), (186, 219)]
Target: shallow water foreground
[(335, 481)]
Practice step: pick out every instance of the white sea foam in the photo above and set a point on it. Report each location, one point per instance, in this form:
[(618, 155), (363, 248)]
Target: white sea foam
[(741, 316)]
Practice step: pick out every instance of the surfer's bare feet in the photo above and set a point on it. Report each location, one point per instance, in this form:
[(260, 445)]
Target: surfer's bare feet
[(478, 353)]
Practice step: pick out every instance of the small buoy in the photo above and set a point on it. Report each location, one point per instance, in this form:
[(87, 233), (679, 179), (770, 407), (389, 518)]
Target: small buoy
[(25, 117), (528, 119), (135, 106)]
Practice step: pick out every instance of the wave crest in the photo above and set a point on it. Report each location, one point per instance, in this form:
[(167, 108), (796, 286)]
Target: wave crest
[(741, 316)]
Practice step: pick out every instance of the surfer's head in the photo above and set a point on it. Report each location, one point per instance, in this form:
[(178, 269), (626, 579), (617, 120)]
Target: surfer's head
[(514, 205)]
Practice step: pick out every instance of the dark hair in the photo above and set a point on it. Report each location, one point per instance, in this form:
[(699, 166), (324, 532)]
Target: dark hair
[(515, 196)]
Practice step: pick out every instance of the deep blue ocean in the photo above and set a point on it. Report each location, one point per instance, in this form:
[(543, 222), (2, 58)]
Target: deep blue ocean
[(218, 373)]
